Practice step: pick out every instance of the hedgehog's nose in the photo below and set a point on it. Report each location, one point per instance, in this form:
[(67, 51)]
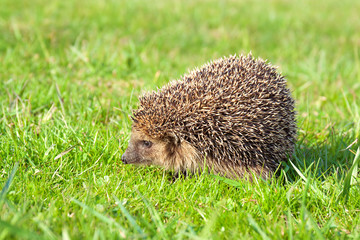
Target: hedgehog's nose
[(123, 159)]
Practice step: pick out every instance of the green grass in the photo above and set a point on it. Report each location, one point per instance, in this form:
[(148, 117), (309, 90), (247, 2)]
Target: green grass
[(71, 71)]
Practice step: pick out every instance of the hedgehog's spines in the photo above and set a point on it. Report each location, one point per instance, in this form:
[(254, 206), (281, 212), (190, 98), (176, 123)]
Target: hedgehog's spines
[(234, 110)]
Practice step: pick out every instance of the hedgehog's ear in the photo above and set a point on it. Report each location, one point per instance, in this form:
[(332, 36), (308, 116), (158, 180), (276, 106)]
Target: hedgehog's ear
[(173, 139)]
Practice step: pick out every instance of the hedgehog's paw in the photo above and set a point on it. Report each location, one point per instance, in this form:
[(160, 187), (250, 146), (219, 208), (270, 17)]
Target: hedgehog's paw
[(179, 174)]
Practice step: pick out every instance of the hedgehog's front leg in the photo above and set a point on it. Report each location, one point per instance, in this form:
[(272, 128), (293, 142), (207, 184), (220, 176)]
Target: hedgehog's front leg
[(180, 174)]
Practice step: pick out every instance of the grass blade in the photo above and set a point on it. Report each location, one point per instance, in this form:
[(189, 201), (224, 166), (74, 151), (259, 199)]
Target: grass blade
[(256, 227), (314, 188), (8, 182), (350, 177), (227, 181), (155, 217), (102, 217), (132, 221), (18, 232)]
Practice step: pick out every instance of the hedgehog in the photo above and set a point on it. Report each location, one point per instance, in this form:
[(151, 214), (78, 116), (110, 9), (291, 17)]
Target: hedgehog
[(233, 116)]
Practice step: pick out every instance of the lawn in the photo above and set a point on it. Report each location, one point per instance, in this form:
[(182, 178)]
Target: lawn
[(72, 71)]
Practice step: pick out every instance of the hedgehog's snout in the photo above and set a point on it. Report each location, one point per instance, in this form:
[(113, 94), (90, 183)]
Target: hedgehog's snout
[(123, 159)]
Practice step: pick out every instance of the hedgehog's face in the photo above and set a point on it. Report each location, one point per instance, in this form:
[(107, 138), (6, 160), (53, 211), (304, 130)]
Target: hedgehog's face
[(144, 150)]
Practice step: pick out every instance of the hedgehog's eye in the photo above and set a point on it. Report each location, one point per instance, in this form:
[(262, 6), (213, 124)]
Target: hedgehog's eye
[(146, 144)]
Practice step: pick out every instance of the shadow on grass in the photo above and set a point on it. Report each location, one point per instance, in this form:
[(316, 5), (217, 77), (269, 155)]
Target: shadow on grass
[(332, 156)]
